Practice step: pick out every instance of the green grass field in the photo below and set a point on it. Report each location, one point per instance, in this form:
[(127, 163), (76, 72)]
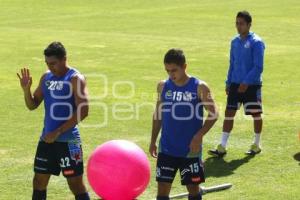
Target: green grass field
[(125, 41)]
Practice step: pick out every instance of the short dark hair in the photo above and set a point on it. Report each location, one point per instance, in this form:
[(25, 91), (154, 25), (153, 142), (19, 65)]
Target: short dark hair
[(175, 56), (56, 49), (245, 15)]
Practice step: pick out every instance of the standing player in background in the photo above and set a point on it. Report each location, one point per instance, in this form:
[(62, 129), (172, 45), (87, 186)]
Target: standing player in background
[(243, 85), (179, 113), (64, 92)]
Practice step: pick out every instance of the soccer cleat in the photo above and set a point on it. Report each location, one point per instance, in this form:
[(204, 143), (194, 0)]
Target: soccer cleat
[(220, 151), (254, 149)]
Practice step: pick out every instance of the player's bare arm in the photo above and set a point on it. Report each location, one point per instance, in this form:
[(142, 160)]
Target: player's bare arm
[(81, 101), (156, 122), (31, 101), (212, 116)]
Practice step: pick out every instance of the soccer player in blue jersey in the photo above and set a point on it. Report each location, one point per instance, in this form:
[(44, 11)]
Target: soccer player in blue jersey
[(179, 116), (63, 90), (243, 84)]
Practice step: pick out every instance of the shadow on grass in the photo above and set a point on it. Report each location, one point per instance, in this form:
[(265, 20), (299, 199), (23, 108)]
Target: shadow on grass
[(297, 157), (218, 167)]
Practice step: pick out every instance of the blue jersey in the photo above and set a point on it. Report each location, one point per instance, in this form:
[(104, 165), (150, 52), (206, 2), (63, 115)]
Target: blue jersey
[(59, 104), (182, 117), (246, 60)]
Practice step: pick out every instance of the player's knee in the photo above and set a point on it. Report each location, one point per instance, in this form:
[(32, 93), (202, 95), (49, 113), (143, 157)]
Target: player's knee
[(193, 190), (40, 183), (229, 114), (163, 189), (256, 116), (77, 188), (76, 185)]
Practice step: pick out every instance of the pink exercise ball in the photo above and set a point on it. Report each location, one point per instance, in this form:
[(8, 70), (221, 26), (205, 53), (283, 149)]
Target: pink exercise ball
[(118, 169)]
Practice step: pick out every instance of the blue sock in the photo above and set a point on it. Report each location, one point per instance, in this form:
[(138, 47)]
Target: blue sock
[(162, 198), (39, 195), (84, 196), (197, 197)]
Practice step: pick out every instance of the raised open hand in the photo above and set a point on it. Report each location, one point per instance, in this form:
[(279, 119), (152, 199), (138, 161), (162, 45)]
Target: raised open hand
[(25, 79)]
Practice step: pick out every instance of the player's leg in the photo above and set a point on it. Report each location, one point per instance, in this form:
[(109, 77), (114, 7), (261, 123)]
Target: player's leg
[(71, 163), (192, 174), (40, 183), (255, 148), (253, 107), (194, 192), (78, 188), (233, 104), (229, 120), (227, 126), (163, 190), (257, 122), (44, 166), (166, 169)]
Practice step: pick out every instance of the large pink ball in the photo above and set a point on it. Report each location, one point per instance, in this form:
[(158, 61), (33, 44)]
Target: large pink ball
[(118, 169)]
